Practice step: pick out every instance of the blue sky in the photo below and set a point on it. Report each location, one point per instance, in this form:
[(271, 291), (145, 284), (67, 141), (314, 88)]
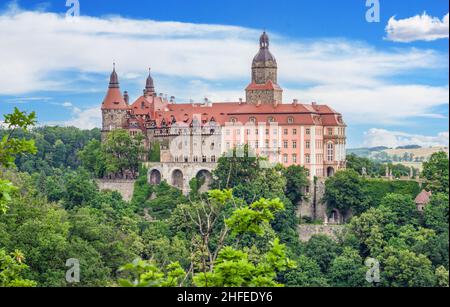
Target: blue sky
[(391, 88)]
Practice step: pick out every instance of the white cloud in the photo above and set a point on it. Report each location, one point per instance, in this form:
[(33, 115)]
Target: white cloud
[(381, 137), (387, 104), (201, 60), (84, 119), (418, 28)]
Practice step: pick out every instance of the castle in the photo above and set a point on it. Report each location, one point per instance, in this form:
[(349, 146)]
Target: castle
[(192, 136)]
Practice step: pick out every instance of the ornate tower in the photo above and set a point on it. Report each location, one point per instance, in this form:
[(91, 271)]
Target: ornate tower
[(149, 85), (264, 87), (114, 107)]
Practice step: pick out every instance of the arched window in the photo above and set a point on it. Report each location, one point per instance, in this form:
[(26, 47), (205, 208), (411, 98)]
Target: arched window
[(330, 152), (252, 120), (271, 119)]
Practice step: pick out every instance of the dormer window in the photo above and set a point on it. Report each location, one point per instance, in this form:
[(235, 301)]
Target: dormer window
[(271, 119), (290, 120)]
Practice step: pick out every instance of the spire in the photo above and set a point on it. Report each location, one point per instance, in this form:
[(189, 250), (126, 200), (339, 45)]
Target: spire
[(149, 85), (264, 41), (114, 79)]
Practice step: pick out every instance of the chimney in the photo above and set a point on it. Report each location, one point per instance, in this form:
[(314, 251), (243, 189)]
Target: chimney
[(126, 97), (295, 102), (206, 100), (240, 100), (172, 99)]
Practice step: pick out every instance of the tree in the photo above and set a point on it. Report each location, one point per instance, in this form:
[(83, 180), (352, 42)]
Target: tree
[(123, 153), (296, 181), (403, 208), (12, 267), (436, 213), (347, 270), (344, 191), (10, 147), (147, 274), (307, 273), (436, 172), (233, 268), (323, 250), (92, 158), (403, 268), (239, 166)]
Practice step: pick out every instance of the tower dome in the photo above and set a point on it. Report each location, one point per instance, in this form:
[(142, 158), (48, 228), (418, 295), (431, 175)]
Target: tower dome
[(264, 58)]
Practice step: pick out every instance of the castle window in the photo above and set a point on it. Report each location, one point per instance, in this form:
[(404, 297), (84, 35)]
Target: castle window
[(290, 120), (330, 152), (330, 131), (285, 158), (285, 144), (294, 131), (286, 131), (195, 159), (294, 158), (252, 120), (308, 131), (308, 144), (294, 144), (233, 120), (204, 159), (271, 119), (307, 158), (213, 159)]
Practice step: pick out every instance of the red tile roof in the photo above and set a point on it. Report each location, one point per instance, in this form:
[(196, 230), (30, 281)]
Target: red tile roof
[(114, 100), (269, 86), (423, 198)]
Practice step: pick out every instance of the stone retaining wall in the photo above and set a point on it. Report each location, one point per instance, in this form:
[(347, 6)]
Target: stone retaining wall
[(124, 187), (307, 231)]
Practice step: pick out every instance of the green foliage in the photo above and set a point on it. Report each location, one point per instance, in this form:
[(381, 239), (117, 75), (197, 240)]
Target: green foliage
[(321, 249), (296, 181), (347, 270), (147, 274), (436, 213), (345, 191), (233, 268), (306, 274), (239, 167), (123, 152), (377, 189), (402, 207), (92, 159), (249, 219), (436, 172), (11, 146), (11, 270), (154, 155)]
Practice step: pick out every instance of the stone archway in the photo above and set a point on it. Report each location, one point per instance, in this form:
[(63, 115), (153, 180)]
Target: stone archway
[(155, 177), (206, 178), (330, 171), (178, 179)]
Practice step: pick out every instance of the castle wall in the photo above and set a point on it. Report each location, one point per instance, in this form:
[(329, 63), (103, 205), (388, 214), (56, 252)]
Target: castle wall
[(170, 172), (124, 187), (305, 232)]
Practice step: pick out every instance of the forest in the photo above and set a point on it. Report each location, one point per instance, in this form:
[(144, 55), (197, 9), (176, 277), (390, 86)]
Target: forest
[(243, 232)]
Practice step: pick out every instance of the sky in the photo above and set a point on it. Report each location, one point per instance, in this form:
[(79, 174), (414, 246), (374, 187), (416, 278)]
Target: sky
[(389, 78)]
